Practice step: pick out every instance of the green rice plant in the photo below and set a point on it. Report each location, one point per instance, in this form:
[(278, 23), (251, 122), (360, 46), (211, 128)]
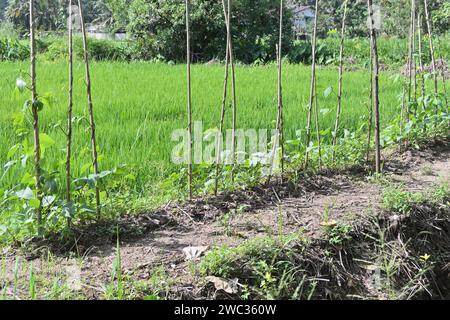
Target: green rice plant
[(127, 122)]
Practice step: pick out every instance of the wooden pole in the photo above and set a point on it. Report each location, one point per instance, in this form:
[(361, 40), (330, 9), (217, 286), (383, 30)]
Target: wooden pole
[(341, 72), (35, 112), (414, 62), (233, 89), (189, 104), (373, 35), (369, 131), (280, 89), (279, 124), (433, 59), (410, 60), (313, 79), (316, 118), (402, 112), (224, 99), (70, 107), (444, 85), (90, 107), (421, 66)]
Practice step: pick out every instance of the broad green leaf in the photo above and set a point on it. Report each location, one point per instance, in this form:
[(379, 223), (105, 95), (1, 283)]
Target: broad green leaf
[(86, 167), (27, 179), (38, 105), (35, 203), (46, 140)]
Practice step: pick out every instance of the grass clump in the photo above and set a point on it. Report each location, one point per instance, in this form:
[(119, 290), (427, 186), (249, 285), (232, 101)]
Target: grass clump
[(440, 194), (227, 261), (339, 235), (398, 200), (265, 267)]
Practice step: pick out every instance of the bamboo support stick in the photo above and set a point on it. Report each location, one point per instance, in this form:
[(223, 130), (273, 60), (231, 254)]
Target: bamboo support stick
[(279, 123), (341, 72), (70, 107), (224, 99), (189, 99), (370, 127), (90, 107), (280, 90), (432, 54), (373, 35), (421, 66), (233, 89), (311, 95), (414, 62), (316, 117), (35, 112)]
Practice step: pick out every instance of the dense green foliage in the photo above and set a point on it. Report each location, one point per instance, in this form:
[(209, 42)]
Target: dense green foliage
[(158, 27), (392, 51), (3, 5), (395, 16), (122, 14), (52, 15)]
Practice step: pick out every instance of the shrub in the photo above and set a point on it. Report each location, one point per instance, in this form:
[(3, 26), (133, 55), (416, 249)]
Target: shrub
[(99, 50), (301, 52), (397, 200), (12, 49)]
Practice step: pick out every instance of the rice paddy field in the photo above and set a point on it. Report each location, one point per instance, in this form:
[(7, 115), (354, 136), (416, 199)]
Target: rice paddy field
[(138, 105)]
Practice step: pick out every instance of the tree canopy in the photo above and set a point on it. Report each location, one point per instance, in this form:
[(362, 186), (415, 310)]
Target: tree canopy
[(158, 26)]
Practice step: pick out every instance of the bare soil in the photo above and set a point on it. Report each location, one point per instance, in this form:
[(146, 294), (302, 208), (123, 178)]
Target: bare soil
[(158, 238)]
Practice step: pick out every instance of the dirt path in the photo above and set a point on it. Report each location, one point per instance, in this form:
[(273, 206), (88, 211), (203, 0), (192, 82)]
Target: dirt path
[(231, 219)]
